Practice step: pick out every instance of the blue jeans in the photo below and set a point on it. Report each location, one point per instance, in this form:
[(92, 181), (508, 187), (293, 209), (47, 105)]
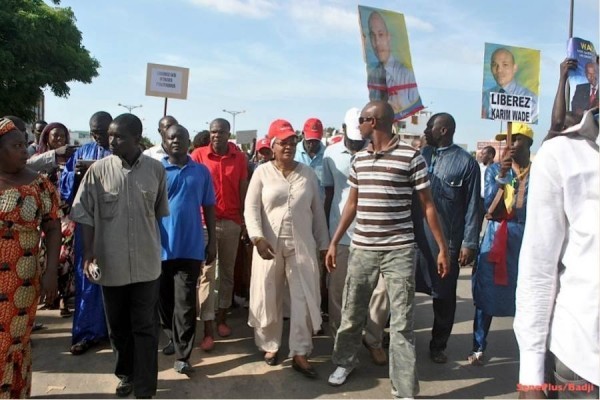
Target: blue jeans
[(397, 269), (481, 328)]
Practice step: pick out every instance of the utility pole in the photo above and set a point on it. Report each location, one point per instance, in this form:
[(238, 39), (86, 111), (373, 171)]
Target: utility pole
[(128, 107), (233, 114)]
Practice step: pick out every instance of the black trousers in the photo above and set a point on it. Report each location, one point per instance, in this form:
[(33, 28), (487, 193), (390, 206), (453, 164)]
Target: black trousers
[(444, 310), (132, 316), (177, 303)]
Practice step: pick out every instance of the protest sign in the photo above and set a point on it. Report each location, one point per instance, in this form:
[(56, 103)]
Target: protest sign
[(584, 79), (167, 81), (245, 137), (511, 83), (386, 52)]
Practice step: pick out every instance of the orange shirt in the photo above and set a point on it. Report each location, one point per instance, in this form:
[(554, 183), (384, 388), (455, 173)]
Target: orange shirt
[(227, 172)]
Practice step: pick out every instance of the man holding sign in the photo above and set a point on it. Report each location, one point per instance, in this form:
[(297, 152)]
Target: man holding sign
[(508, 100)]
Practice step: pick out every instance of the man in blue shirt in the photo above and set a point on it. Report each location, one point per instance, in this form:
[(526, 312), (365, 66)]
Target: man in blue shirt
[(191, 196), (311, 151)]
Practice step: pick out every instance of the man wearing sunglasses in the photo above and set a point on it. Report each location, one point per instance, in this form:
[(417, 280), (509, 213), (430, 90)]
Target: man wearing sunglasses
[(382, 179)]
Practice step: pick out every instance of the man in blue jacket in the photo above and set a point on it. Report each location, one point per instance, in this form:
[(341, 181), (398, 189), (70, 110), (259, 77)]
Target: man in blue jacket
[(455, 185)]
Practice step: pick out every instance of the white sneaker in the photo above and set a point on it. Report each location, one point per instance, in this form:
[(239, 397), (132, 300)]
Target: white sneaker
[(476, 358), (339, 376)]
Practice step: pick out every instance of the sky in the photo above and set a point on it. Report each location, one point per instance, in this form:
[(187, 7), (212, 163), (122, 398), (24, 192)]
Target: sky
[(299, 59)]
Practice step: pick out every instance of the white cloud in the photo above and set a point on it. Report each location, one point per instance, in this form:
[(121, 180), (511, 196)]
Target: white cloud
[(417, 24), (246, 8), (313, 16)]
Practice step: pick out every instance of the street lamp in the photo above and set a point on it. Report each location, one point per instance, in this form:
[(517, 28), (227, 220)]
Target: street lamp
[(129, 108), (233, 114)]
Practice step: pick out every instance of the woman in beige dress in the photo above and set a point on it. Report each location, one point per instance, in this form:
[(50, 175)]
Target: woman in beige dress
[(286, 223)]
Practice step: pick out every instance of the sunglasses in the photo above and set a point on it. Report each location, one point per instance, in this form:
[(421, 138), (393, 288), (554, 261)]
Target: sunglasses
[(362, 120)]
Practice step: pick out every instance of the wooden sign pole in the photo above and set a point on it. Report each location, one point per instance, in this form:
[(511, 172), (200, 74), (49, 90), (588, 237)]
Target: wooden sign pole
[(500, 193)]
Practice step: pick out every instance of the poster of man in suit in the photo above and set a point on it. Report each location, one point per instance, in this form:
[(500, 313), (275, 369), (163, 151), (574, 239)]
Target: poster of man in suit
[(585, 77), (511, 83), (390, 75)]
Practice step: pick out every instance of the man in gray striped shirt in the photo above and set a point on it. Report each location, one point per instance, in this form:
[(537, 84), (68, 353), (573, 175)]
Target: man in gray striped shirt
[(382, 180)]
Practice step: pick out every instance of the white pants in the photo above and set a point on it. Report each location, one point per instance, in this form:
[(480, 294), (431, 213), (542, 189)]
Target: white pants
[(268, 338)]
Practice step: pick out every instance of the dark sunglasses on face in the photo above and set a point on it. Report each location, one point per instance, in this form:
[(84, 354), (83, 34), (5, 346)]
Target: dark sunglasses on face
[(362, 120)]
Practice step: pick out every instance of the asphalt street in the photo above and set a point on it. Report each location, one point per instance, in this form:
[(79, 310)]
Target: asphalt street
[(235, 369)]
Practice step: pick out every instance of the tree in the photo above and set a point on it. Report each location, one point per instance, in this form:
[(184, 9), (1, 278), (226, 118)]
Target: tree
[(147, 143), (40, 46)]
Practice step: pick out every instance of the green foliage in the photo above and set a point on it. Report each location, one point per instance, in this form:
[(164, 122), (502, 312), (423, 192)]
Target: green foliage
[(147, 143), (40, 46)]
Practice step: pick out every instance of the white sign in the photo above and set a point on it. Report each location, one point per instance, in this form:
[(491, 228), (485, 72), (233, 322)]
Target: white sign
[(167, 81), (508, 107), (245, 137)]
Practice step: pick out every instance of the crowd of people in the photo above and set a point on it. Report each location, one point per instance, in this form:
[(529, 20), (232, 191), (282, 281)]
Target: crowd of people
[(344, 234)]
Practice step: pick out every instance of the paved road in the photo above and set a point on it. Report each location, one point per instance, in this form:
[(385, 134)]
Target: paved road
[(234, 369)]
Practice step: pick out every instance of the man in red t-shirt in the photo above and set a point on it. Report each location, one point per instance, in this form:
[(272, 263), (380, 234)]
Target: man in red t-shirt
[(229, 169)]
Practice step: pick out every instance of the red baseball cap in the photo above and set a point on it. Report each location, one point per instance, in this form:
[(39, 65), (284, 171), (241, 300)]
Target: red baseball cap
[(313, 129), (336, 139), (281, 129), (263, 143)]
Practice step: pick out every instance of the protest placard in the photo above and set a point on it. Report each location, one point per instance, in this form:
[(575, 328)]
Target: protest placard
[(390, 75), (511, 83), (584, 79), (245, 137), (167, 81)]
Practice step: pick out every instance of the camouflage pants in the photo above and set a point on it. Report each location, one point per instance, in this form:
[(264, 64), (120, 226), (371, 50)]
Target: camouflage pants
[(397, 269)]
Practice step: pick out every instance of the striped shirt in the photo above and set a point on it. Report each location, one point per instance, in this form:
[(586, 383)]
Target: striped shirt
[(385, 182)]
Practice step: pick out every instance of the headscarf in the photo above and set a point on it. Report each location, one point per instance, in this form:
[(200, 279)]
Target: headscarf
[(43, 144), (6, 126)]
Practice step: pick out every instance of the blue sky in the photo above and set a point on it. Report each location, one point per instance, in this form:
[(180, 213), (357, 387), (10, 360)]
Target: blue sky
[(303, 58)]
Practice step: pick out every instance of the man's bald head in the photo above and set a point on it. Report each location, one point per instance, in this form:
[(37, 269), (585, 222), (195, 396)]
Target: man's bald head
[(164, 123), (176, 128), (101, 118), (446, 120), (382, 111), (503, 66), (379, 36)]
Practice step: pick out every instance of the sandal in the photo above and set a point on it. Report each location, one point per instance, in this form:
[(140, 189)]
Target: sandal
[(65, 312), (81, 347)]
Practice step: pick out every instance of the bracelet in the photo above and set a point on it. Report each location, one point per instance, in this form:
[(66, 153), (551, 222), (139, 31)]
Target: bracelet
[(256, 240)]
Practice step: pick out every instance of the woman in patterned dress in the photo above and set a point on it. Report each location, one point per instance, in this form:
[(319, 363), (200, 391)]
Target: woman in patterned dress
[(53, 136), (28, 203)]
